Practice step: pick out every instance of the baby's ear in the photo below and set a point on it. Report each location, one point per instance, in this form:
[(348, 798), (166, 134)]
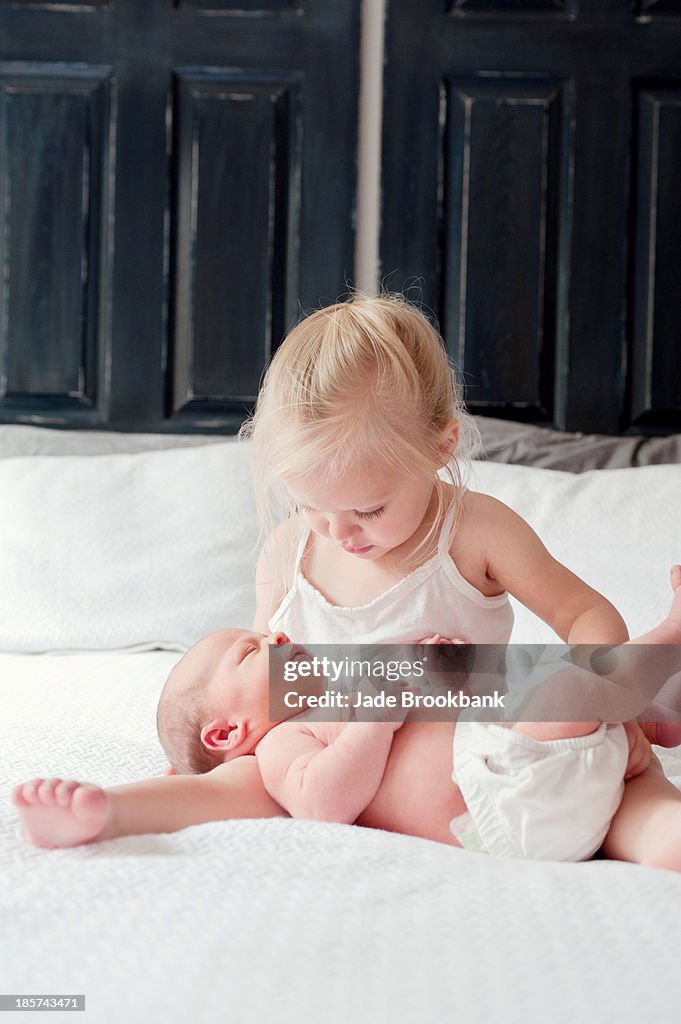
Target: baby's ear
[(224, 736)]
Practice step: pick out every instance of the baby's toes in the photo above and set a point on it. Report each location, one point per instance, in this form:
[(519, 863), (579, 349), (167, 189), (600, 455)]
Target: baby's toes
[(63, 792), (18, 794), (27, 793), (46, 790)]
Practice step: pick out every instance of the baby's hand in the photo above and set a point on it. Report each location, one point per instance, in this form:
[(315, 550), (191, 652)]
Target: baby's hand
[(437, 639), (441, 665), (640, 752)]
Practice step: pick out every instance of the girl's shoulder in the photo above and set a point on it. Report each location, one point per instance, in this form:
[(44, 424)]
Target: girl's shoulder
[(477, 505), (482, 522), (486, 522), (283, 537), (280, 548), (474, 499), (276, 568), (503, 545), (471, 510)]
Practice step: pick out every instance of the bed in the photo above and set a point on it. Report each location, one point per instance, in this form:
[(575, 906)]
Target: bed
[(115, 554)]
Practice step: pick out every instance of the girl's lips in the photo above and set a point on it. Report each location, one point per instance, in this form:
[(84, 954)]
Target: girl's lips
[(358, 551)]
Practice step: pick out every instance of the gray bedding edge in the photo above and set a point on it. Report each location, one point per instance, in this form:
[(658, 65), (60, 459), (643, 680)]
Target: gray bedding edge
[(504, 440), (507, 441)]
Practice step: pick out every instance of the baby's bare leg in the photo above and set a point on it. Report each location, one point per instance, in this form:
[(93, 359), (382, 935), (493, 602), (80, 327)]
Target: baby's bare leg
[(60, 813), (662, 722), (647, 826)]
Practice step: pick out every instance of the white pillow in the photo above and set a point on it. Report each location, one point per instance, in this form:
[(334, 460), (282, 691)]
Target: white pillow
[(120, 551), (619, 529), (159, 548)]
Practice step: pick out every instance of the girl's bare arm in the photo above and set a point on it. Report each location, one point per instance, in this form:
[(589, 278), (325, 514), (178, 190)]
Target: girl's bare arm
[(519, 562)]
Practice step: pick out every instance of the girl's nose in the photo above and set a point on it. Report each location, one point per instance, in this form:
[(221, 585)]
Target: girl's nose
[(279, 638), (340, 529)]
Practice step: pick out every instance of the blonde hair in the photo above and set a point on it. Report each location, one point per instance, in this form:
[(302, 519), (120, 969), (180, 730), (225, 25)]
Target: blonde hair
[(353, 384)]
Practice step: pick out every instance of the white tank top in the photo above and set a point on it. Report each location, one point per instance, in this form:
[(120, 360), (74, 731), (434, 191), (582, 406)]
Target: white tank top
[(434, 598)]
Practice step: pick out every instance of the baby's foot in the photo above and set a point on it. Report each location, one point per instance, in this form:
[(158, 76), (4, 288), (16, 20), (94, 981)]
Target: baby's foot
[(59, 812), (665, 729), (673, 619), (664, 734)]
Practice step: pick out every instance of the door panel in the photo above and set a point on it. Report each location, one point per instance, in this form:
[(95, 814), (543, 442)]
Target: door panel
[(178, 180), (530, 151), (503, 165), (55, 128), (227, 216), (656, 342)]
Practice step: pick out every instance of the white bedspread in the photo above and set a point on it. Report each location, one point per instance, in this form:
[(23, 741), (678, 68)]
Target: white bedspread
[(290, 921)]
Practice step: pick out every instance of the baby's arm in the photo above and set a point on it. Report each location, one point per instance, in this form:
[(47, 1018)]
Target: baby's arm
[(59, 813), (328, 773)]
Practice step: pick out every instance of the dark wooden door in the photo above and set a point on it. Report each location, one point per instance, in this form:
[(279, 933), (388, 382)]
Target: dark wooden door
[(532, 154), (177, 179)]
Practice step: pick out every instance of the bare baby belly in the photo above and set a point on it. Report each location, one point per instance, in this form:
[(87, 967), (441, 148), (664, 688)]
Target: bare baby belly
[(417, 795)]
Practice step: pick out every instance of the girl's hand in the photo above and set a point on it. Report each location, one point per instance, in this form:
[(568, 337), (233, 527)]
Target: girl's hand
[(640, 752)]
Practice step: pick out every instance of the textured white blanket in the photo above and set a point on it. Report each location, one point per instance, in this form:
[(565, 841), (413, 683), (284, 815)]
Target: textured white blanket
[(290, 921)]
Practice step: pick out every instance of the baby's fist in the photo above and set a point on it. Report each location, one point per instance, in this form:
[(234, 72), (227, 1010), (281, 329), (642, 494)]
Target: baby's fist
[(436, 638)]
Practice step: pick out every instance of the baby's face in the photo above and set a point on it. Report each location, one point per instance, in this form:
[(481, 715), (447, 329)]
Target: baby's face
[(238, 675)]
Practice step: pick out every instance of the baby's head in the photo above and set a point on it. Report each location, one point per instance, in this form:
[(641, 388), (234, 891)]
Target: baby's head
[(215, 703), (358, 388)]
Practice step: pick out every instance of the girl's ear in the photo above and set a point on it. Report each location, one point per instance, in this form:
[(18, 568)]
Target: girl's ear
[(449, 439), (221, 735)]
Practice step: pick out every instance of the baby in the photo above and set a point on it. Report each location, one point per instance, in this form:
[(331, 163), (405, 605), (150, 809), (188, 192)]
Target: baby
[(394, 775)]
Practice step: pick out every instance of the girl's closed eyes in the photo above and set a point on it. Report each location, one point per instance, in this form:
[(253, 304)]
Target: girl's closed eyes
[(371, 515), (374, 514)]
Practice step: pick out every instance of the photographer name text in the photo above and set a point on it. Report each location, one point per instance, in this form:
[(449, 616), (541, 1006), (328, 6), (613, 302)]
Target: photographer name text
[(406, 699)]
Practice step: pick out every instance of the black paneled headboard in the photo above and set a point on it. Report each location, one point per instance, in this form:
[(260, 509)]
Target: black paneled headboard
[(177, 179)]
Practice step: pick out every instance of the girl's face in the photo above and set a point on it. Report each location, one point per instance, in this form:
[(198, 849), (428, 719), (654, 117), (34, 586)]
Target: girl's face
[(365, 519)]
